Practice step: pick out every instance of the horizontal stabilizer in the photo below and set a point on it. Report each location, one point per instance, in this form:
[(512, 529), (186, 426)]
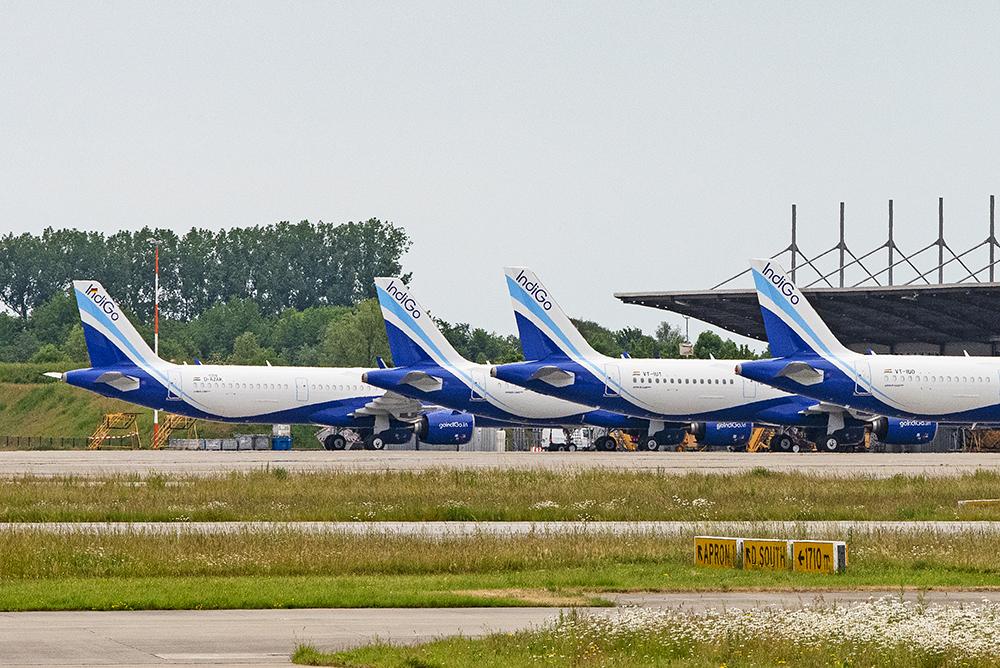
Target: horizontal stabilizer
[(119, 381), (54, 374), (554, 376), (802, 373), (422, 381)]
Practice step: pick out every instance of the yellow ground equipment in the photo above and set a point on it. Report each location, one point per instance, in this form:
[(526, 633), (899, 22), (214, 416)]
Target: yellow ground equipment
[(169, 425), (689, 444), (760, 438), (112, 426), (982, 440), (624, 440)]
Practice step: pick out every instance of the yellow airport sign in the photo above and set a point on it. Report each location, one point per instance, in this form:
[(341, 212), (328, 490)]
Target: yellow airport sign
[(818, 556), (717, 551), (765, 554)]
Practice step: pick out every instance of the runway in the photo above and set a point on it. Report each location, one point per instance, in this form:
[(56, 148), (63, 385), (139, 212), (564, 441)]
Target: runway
[(204, 463), (460, 529), (267, 637)]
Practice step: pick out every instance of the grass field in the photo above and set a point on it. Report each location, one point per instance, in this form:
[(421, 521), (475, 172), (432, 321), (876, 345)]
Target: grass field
[(279, 568), (495, 495), (883, 633), (32, 405)]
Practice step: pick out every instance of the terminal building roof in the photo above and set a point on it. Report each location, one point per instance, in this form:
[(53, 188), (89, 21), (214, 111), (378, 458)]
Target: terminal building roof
[(915, 318)]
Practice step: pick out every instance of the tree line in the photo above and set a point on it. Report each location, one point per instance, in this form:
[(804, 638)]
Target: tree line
[(297, 294), (279, 266)]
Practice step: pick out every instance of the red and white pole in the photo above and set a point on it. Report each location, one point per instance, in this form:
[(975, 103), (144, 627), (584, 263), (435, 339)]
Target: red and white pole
[(156, 326)]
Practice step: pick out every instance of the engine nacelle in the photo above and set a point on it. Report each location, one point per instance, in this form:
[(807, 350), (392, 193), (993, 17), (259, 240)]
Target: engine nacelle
[(445, 427), (897, 431), (722, 433)]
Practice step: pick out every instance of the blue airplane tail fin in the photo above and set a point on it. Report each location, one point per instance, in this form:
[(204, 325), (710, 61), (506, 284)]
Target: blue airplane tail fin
[(414, 337), (544, 329), (111, 339), (793, 326)]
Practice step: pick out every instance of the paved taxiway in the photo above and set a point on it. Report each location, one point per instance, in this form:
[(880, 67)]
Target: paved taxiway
[(267, 637), (460, 529), (90, 463)]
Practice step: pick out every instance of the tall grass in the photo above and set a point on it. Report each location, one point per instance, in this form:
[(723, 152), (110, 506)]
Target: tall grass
[(495, 495), (278, 568), (882, 632), (32, 554)]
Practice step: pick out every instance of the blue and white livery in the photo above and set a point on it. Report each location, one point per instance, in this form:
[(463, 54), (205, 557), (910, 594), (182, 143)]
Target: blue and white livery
[(428, 368), (564, 365), (124, 367), (810, 360)]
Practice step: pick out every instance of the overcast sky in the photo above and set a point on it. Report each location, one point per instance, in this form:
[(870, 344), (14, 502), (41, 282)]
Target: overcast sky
[(612, 147)]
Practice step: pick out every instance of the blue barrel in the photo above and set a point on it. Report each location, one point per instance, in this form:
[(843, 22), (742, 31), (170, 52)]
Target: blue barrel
[(281, 442)]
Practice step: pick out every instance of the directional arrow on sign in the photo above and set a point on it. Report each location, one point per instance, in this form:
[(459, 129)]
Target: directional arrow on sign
[(802, 557)]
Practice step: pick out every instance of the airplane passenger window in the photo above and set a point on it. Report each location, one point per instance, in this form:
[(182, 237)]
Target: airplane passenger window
[(964, 379)]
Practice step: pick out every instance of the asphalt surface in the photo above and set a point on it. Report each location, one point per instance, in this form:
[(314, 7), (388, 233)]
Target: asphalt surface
[(91, 463), (267, 637), (460, 529)]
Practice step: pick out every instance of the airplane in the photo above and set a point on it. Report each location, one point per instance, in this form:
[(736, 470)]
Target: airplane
[(124, 367), (811, 361), (428, 368), (562, 364)]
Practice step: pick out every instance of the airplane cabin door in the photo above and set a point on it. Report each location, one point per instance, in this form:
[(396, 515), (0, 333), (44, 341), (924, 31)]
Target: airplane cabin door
[(749, 389), (612, 380), (862, 377), (174, 386), (478, 385), (301, 389)]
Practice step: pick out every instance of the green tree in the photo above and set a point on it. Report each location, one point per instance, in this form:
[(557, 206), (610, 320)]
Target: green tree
[(600, 338), (637, 343), (75, 347), (49, 352), (247, 350), (356, 339), (669, 340)]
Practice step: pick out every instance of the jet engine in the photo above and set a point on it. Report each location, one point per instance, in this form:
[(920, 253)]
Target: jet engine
[(445, 427)]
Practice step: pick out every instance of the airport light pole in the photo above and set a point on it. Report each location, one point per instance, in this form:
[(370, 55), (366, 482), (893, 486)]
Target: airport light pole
[(156, 321)]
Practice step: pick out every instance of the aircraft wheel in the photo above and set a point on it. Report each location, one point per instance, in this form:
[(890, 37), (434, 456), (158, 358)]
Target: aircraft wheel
[(374, 442), (831, 443), (651, 444), (335, 442), (782, 443)]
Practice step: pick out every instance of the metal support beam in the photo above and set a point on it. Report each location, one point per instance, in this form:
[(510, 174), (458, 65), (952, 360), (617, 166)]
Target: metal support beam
[(993, 238), (940, 241), (842, 246), (794, 248), (892, 244)]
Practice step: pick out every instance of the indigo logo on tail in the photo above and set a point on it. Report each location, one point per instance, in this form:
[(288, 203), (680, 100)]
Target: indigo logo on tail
[(781, 283), (404, 299), (536, 291), (103, 302)]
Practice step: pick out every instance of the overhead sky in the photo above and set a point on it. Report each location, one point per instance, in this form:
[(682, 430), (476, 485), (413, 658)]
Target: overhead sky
[(610, 146)]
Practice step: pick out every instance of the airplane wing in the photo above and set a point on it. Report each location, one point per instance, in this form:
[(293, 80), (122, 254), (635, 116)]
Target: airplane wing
[(554, 376), (392, 404)]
